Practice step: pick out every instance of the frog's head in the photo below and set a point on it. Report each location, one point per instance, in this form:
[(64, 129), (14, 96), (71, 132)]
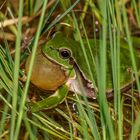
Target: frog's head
[(58, 50)]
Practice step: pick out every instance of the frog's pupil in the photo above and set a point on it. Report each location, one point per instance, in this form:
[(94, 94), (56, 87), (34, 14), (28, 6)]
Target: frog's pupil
[(65, 53)]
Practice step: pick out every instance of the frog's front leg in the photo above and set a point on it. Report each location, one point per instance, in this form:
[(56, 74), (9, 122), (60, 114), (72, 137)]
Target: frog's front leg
[(52, 101)]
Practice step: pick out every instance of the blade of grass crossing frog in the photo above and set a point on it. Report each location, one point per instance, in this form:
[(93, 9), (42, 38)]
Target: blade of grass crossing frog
[(51, 101), (87, 54), (89, 117), (90, 113), (90, 44), (23, 99), (130, 45)]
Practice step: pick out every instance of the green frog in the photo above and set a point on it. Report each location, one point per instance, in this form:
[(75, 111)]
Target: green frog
[(60, 63)]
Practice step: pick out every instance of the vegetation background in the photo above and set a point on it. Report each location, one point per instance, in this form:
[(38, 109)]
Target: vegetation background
[(25, 23)]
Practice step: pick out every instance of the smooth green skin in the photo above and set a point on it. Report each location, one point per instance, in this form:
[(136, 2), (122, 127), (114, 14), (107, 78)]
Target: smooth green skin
[(51, 50), (59, 41)]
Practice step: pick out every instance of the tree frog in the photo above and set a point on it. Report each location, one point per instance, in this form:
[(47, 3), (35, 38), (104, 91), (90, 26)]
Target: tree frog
[(61, 61)]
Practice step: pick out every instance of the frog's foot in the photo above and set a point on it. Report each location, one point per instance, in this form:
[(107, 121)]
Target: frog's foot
[(75, 86)]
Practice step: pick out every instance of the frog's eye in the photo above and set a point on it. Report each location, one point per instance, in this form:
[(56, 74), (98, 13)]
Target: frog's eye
[(65, 53)]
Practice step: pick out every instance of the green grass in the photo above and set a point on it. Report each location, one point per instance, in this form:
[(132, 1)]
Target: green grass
[(88, 119)]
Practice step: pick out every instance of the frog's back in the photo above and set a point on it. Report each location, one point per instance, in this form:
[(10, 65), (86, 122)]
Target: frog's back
[(86, 55), (92, 54)]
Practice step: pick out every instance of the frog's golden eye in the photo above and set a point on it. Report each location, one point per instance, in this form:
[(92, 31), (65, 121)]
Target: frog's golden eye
[(65, 53)]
